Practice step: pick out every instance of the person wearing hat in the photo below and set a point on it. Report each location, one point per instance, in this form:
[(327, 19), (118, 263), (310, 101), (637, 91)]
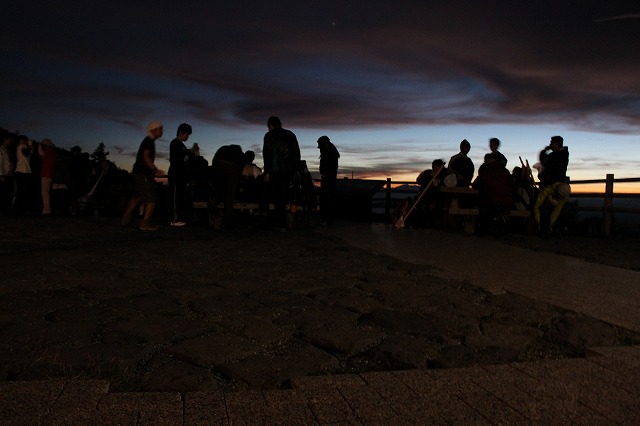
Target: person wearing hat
[(329, 156), (144, 173)]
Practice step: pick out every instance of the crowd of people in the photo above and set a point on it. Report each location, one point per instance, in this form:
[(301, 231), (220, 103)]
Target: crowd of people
[(499, 191), (40, 178), (232, 176)]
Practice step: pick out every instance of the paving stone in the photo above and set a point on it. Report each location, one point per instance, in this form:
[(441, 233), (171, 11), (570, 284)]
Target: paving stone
[(616, 374), (262, 371), (519, 391), (26, 403), (205, 408), (328, 406), (209, 351), (288, 407), (246, 408), (327, 381), (78, 403), (406, 402), (137, 408), (224, 303), (416, 380), (493, 408), (173, 373), (368, 406), (629, 355), (342, 339), (578, 392), (152, 329), (263, 332)]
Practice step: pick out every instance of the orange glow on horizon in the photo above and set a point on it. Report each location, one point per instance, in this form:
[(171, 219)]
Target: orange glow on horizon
[(577, 188)]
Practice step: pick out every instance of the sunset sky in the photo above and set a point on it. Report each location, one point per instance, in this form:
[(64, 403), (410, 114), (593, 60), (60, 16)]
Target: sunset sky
[(393, 84)]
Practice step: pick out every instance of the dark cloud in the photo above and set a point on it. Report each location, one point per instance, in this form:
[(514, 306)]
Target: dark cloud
[(328, 64)]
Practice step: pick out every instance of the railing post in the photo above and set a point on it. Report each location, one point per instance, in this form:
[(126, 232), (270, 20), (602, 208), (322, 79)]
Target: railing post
[(387, 203), (608, 205)]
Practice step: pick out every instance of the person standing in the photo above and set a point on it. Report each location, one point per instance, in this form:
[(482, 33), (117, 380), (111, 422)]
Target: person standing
[(23, 176), (226, 166), (144, 172), (329, 156), (462, 166), (281, 154), (80, 175), (494, 144), (47, 152), (178, 174), (6, 174)]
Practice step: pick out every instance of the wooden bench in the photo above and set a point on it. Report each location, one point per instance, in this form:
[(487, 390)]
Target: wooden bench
[(455, 211), (294, 219), (469, 215), (246, 206)]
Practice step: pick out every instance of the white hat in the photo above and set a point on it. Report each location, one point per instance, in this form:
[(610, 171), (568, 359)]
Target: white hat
[(450, 181), (153, 125)]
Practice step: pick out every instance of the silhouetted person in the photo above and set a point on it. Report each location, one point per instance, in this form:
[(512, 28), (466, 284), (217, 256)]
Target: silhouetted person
[(554, 159), (226, 166), (495, 186), (281, 154), (144, 173), (80, 176), (462, 165), (178, 174), (25, 187), (329, 156), (430, 180), (199, 174), (548, 208), (60, 201), (555, 189), (6, 173), (250, 169), (47, 153), (251, 184), (494, 144)]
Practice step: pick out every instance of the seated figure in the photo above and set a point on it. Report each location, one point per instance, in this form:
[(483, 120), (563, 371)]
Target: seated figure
[(495, 186)]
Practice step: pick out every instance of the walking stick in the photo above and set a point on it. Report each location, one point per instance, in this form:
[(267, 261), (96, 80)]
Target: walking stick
[(400, 223), (104, 169), (529, 172)]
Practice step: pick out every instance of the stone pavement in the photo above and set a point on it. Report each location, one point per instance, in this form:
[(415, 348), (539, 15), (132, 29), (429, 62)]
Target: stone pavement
[(603, 292), (602, 388)]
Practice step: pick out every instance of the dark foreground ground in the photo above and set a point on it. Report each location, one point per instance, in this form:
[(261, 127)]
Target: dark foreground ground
[(192, 309)]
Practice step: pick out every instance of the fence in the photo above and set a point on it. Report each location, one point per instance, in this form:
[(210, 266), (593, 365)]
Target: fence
[(607, 210)]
